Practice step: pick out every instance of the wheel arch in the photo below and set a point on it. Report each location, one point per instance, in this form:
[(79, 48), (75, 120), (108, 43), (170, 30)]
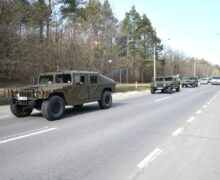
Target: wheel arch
[(107, 89), (58, 94)]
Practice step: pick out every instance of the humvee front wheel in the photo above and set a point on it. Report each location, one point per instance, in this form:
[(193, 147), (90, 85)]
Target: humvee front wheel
[(170, 90), (152, 90), (106, 100), (53, 108), (19, 112), (178, 89)]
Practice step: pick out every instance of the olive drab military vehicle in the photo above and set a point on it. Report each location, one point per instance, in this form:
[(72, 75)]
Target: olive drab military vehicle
[(190, 81), (165, 84), (57, 89)]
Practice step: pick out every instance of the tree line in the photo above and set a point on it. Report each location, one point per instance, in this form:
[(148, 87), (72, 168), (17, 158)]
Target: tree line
[(49, 35)]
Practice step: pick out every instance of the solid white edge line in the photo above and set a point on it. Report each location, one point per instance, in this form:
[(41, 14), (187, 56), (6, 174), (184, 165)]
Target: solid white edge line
[(4, 116), (205, 106), (149, 158), (191, 119), (199, 111), (162, 99), (177, 132), (26, 135)]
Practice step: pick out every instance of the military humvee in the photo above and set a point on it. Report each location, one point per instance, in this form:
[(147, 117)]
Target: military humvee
[(189, 81), (165, 84), (57, 89)]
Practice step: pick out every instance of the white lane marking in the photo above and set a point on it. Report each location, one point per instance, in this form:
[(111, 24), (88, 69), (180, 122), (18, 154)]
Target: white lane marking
[(191, 119), (149, 158), (162, 99), (205, 106), (199, 111), (26, 135), (4, 116), (177, 132), (208, 103)]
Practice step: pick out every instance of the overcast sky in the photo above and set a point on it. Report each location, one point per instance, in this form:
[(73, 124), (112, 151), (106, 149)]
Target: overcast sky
[(192, 25)]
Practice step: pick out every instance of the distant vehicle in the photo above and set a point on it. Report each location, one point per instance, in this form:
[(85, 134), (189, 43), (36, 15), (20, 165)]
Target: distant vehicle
[(210, 79), (204, 80), (190, 81), (165, 84), (215, 81), (57, 89)]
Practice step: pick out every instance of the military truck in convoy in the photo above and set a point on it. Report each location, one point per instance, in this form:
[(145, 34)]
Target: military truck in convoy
[(190, 81), (55, 90), (165, 84)]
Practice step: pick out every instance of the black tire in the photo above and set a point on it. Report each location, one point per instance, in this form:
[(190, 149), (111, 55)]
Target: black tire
[(19, 112), (78, 106), (170, 90), (183, 86), (53, 108), (178, 89), (152, 90), (106, 100)]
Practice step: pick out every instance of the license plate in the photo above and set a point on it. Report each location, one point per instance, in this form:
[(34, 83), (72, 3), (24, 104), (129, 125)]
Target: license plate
[(20, 98)]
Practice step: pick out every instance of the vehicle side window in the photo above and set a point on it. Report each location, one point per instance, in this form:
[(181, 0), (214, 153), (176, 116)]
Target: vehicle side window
[(80, 79), (63, 78), (93, 79)]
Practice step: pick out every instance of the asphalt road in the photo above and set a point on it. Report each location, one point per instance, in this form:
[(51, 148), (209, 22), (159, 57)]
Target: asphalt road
[(143, 136)]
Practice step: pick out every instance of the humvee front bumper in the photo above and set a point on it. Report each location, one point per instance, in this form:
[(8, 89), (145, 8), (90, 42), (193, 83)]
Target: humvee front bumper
[(25, 97)]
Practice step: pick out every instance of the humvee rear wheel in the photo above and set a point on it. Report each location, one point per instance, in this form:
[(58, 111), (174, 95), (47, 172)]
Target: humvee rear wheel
[(106, 100), (19, 112), (53, 108)]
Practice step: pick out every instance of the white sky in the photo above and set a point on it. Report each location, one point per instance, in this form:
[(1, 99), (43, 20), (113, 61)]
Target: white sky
[(192, 25)]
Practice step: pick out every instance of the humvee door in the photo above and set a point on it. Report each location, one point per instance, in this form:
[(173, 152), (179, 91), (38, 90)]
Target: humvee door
[(80, 87), (94, 87)]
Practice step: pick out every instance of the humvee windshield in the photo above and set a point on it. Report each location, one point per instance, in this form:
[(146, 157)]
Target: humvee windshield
[(45, 79), (59, 78), (159, 79), (188, 78), (168, 78), (63, 78)]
